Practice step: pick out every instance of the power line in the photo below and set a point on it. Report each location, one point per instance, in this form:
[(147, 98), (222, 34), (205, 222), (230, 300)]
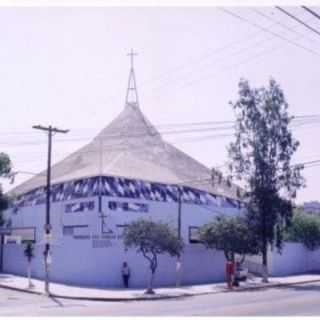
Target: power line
[(235, 53), (281, 24), (269, 31), (297, 122), (204, 57), (215, 124), (311, 11), (298, 20), (231, 67), (310, 162)]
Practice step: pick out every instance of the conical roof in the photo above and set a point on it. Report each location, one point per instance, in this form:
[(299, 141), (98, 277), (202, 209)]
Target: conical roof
[(131, 147)]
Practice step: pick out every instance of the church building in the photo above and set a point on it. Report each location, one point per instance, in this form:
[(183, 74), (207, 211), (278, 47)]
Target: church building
[(128, 171)]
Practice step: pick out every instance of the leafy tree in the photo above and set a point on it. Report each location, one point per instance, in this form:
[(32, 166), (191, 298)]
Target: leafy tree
[(29, 253), (231, 235), (3, 206), (305, 228), (151, 239), (5, 164), (261, 158), (5, 168)]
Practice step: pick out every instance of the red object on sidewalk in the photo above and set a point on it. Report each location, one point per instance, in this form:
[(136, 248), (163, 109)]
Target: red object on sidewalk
[(229, 273)]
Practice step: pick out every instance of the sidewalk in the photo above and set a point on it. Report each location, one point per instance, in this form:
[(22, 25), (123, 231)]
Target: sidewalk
[(114, 294)]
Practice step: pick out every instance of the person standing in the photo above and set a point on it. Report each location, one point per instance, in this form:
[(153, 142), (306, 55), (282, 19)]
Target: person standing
[(125, 274)]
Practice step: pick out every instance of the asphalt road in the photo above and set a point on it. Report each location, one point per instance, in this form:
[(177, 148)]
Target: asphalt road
[(292, 300)]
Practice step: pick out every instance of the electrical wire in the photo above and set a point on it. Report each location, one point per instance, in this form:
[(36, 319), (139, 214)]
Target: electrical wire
[(213, 126), (311, 11), (292, 16), (291, 29), (131, 137), (269, 31)]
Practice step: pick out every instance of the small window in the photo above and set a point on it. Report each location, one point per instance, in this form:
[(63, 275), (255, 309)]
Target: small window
[(75, 230), (68, 231), (112, 205)]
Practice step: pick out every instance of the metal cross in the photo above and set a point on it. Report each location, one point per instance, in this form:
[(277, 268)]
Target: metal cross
[(132, 54)]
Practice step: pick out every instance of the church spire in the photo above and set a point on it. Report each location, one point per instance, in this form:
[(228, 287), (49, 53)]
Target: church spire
[(132, 93)]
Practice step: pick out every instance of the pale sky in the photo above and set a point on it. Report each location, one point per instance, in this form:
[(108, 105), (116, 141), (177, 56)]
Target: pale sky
[(68, 67)]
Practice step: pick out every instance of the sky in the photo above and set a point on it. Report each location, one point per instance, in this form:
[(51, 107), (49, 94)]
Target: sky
[(68, 67)]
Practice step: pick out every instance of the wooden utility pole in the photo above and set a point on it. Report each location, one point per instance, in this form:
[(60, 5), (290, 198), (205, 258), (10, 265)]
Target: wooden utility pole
[(47, 226), (179, 264)]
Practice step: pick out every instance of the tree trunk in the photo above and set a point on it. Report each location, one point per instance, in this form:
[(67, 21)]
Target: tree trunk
[(150, 288), (179, 271), (265, 263), (264, 247), (30, 284)]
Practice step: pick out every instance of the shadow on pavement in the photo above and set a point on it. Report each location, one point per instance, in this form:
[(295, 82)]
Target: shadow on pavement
[(297, 287), (303, 287), (4, 276), (55, 300)]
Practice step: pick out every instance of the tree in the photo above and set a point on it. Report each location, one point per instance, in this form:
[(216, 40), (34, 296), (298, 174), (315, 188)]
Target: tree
[(261, 158), (151, 239), (29, 253), (5, 168), (305, 228), (5, 164), (230, 235)]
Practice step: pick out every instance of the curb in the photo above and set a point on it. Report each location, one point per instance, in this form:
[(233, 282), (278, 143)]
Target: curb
[(159, 297), (19, 289), (275, 285), (142, 298)]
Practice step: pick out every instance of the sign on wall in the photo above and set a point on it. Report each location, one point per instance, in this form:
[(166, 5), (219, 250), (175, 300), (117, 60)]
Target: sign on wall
[(21, 235), (8, 239), (128, 206), (79, 206)]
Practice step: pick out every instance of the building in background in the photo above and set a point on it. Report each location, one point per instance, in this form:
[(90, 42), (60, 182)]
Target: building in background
[(312, 207), (127, 172)]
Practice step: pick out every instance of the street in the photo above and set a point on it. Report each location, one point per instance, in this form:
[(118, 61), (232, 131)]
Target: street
[(284, 301)]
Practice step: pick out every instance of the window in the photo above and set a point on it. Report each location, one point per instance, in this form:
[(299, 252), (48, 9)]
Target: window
[(79, 206), (77, 231), (68, 231), (128, 206)]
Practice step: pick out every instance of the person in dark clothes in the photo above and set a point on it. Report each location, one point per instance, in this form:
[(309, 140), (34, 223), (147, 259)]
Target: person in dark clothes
[(125, 274)]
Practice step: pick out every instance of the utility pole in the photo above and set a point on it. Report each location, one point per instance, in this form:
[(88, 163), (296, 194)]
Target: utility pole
[(47, 226), (179, 212), (178, 267)]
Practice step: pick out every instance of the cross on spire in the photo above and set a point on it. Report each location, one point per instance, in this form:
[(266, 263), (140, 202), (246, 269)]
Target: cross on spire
[(132, 54), (132, 93)]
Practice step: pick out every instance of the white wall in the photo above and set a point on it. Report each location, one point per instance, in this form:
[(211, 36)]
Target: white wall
[(293, 259), (76, 261)]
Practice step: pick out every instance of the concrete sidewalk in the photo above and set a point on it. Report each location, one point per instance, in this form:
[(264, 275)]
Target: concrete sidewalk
[(19, 283)]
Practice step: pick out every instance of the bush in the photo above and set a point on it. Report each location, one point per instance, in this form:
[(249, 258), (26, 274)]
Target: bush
[(305, 229)]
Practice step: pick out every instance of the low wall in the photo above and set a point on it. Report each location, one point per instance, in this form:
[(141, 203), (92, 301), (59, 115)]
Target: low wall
[(294, 258), (102, 267)]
